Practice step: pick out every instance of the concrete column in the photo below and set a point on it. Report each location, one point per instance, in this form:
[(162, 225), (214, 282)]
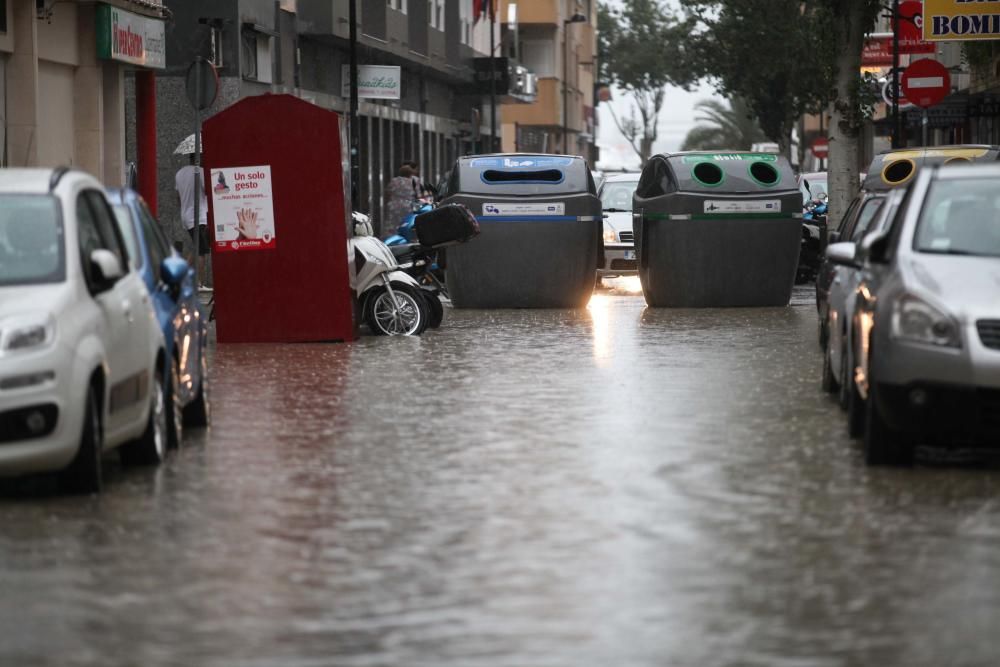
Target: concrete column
[(114, 125), (22, 76), (88, 96)]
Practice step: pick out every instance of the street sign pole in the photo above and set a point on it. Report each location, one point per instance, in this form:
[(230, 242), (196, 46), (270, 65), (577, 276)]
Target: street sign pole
[(352, 123), (897, 124)]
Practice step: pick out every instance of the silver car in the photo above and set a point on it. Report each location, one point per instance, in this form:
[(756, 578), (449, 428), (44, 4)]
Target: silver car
[(927, 317), (843, 286), (619, 247)]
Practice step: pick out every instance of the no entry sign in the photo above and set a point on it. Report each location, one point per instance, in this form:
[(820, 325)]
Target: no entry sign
[(926, 82), (821, 148)]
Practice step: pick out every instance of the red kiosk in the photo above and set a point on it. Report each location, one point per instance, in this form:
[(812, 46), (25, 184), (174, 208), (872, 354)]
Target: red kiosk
[(279, 209)]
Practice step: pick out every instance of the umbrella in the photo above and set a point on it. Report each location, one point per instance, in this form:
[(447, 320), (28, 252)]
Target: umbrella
[(186, 147)]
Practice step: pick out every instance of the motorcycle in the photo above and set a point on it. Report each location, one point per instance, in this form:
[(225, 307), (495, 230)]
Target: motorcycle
[(390, 300), (405, 233), (814, 231)]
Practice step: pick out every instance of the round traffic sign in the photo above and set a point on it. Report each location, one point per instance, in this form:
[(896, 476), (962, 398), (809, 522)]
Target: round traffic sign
[(202, 84), (926, 82), (821, 147)]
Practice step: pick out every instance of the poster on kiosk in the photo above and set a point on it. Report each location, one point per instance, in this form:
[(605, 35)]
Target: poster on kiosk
[(278, 214)]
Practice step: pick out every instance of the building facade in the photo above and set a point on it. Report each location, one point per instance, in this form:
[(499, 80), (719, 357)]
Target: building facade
[(62, 71), (557, 41), (302, 48)]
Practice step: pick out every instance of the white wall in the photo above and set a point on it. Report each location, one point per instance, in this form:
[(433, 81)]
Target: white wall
[(56, 137)]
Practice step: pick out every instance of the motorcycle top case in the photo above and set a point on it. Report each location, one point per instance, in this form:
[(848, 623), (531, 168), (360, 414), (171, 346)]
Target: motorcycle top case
[(449, 224)]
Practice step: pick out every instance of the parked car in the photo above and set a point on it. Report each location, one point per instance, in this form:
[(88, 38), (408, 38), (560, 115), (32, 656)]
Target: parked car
[(82, 360), (858, 216), (927, 317), (172, 286), (619, 248), (837, 359)]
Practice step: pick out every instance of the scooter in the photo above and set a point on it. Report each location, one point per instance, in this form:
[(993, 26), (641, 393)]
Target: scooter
[(391, 301), (406, 233), (814, 230)]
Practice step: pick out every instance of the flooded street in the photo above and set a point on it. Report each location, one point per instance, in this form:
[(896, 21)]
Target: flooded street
[(610, 486)]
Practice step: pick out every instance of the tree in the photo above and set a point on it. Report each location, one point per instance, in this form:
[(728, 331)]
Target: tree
[(768, 52), (731, 127), (641, 49)]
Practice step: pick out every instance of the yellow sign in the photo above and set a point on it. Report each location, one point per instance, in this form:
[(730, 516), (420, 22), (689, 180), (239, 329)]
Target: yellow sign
[(961, 20)]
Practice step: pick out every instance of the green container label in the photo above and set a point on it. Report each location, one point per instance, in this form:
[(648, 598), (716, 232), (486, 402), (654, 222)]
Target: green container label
[(730, 157)]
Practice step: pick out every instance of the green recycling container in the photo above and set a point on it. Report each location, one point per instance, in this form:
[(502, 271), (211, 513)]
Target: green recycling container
[(717, 229), (540, 232)]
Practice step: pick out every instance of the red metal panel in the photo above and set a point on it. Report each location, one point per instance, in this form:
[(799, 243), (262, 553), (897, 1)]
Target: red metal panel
[(145, 120), (298, 290)]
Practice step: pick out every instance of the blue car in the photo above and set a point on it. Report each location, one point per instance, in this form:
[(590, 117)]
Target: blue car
[(171, 284)]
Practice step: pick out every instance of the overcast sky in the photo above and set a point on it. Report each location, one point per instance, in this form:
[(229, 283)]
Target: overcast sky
[(676, 118)]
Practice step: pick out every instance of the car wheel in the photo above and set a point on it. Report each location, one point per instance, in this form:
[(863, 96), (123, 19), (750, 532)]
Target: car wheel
[(828, 382), (198, 412), (175, 411), (845, 380), (151, 447), (883, 444), (435, 309), (83, 475), (407, 317)]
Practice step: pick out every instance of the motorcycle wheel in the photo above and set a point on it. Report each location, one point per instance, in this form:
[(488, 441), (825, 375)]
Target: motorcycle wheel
[(409, 316), (435, 309)]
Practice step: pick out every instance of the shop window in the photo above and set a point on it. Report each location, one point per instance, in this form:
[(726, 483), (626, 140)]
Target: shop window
[(258, 54)]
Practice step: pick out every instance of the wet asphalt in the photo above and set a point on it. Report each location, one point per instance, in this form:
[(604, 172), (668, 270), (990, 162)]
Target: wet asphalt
[(609, 486)]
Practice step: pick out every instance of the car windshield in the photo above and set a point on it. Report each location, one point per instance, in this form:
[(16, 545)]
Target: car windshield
[(124, 219), (32, 244), (812, 188), (617, 195), (960, 217)]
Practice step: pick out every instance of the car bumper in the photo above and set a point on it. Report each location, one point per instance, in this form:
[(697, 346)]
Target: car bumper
[(41, 414), (619, 260), (947, 414)]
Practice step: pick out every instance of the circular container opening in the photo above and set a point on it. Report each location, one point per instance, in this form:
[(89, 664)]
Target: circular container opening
[(764, 174), (958, 160), (898, 172), (707, 173)]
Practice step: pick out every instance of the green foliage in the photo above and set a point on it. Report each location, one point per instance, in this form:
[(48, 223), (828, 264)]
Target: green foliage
[(642, 48), (781, 56), (723, 128)]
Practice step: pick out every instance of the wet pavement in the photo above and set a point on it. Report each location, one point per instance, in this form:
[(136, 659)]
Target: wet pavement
[(611, 486)]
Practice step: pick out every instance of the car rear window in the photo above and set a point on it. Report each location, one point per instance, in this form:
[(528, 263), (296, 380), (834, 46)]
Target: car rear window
[(32, 241), (617, 195)]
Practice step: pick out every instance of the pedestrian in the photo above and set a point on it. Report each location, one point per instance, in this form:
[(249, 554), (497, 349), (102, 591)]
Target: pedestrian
[(185, 184), (399, 198), (422, 189)]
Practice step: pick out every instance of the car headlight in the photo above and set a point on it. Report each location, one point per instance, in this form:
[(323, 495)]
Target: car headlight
[(610, 236), (916, 320), (26, 332)]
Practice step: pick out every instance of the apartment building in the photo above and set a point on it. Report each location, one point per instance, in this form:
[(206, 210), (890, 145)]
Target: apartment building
[(301, 47), (557, 41), (62, 70)]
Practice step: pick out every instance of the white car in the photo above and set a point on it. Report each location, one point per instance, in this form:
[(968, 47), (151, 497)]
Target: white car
[(81, 354), (619, 249)]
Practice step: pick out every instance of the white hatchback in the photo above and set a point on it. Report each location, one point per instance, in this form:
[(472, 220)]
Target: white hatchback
[(81, 355)]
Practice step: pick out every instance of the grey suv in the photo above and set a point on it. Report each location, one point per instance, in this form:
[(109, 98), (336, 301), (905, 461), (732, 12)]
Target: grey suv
[(927, 317)]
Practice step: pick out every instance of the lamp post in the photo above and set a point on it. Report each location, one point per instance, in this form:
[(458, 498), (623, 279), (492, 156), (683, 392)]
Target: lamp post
[(576, 18)]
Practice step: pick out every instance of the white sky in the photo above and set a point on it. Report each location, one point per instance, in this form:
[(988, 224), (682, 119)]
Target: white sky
[(676, 118)]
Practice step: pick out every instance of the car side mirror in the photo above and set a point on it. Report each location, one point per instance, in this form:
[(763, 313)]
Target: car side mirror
[(105, 269), (843, 254), (173, 270), (873, 247)]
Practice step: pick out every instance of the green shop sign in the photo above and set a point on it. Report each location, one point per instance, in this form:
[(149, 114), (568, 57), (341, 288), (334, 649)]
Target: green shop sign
[(731, 157), (130, 38)]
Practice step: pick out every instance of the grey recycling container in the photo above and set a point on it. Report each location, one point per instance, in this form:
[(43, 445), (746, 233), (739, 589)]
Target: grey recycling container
[(717, 229), (540, 232)]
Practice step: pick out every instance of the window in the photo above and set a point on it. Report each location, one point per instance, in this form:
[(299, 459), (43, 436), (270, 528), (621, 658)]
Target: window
[(215, 44), (124, 219), (31, 240), (398, 5), (95, 230), (3, 15), (156, 243), (258, 55), (465, 21), (105, 220), (436, 10), (865, 218)]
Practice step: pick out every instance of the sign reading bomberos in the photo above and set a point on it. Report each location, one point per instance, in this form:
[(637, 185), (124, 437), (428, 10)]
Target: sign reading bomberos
[(961, 20)]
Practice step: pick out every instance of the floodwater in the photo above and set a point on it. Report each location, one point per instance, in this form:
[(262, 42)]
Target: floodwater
[(610, 486)]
